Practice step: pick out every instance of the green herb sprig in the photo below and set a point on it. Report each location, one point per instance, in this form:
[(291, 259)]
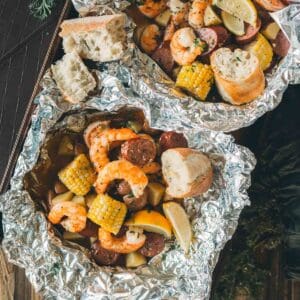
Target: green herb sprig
[(41, 9)]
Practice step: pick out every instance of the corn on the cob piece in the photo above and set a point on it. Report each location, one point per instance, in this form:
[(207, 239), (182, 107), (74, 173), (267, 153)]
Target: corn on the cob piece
[(108, 213), (78, 176), (197, 79), (262, 49)]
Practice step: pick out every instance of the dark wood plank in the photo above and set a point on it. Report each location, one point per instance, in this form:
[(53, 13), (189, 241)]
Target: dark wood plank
[(24, 42)]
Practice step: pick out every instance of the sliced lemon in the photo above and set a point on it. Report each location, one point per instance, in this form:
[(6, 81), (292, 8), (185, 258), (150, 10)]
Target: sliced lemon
[(243, 9), (180, 224), (151, 221), (233, 24)]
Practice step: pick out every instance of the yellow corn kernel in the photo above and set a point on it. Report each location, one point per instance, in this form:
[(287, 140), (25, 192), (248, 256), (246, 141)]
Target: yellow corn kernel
[(197, 79), (262, 49), (78, 176), (108, 213)]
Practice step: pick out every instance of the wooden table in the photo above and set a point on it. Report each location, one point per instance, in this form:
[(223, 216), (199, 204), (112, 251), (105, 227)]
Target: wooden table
[(24, 43)]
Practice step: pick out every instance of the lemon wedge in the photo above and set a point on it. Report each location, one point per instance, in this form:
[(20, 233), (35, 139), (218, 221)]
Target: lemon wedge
[(180, 224), (151, 221), (233, 24), (243, 9)]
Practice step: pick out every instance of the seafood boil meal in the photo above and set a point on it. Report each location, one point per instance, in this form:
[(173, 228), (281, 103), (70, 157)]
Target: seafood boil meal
[(120, 169), (119, 186), (214, 50), (125, 187)]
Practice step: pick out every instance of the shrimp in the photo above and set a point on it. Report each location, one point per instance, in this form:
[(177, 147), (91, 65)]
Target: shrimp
[(270, 5), (152, 8), (130, 242), (169, 31), (151, 168), (100, 144), (185, 47), (150, 38), (93, 130), (76, 215), (122, 169), (179, 11), (196, 14)]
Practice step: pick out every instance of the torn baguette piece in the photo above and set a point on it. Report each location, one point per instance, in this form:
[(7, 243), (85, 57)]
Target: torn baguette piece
[(99, 38), (238, 75), (187, 172), (73, 78)]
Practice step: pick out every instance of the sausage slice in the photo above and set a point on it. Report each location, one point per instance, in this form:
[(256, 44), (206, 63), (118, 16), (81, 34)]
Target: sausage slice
[(163, 56), (154, 244), (250, 34), (281, 44), (138, 151), (135, 204), (214, 36), (172, 139), (103, 257)]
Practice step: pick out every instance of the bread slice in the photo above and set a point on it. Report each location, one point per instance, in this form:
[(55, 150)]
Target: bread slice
[(73, 78), (100, 38), (239, 77), (187, 172)]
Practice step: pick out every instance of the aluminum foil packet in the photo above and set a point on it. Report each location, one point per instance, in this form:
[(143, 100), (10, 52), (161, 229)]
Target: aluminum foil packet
[(151, 83), (60, 269)]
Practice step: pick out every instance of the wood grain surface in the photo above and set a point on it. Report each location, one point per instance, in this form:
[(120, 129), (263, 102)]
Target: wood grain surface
[(24, 43)]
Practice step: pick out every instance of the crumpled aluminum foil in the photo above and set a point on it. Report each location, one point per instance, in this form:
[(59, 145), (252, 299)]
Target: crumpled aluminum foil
[(151, 83), (62, 270)]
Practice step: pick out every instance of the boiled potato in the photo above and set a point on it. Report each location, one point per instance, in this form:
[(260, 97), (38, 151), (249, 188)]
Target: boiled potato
[(163, 18), (210, 17), (62, 198), (135, 126), (66, 146), (80, 200), (135, 259), (72, 236), (271, 31), (93, 239), (89, 199), (156, 192)]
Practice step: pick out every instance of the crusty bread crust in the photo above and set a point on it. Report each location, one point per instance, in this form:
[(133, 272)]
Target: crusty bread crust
[(201, 184), (239, 91), (87, 24)]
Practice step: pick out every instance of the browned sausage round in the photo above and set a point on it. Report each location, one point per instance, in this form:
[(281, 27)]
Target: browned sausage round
[(250, 33), (90, 230), (214, 36), (172, 139), (155, 243), (281, 44), (123, 188), (138, 151), (135, 204), (102, 256), (163, 56)]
